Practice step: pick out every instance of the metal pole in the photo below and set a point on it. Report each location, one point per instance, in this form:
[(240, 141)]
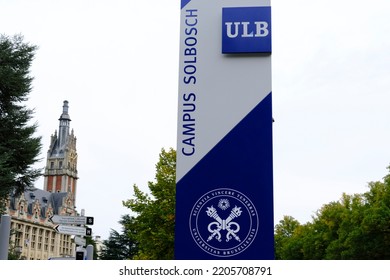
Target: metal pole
[(90, 252), (5, 228)]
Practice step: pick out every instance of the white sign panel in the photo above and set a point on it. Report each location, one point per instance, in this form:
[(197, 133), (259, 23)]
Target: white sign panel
[(72, 220), (71, 230), (80, 241)]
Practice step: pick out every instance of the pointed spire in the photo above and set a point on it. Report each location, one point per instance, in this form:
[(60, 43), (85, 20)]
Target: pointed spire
[(64, 125), (65, 108)]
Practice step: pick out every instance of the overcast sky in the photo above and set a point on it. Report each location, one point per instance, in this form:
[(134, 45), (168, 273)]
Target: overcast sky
[(116, 62)]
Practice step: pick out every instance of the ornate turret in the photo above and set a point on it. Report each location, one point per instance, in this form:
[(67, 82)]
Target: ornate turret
[(61, 166)]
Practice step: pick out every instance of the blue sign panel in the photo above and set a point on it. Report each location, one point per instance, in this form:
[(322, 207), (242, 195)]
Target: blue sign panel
[(224, 205), (246, 30)]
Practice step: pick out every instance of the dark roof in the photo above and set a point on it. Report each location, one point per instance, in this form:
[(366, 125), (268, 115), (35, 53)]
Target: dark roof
[(44, 198), (56, 200), (35, 194)]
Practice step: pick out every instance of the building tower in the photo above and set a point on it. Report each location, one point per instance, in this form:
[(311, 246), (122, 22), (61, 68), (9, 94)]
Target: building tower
[(61, 167)]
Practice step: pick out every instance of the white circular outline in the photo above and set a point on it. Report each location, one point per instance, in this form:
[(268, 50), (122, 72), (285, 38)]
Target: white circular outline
[(250, 227)]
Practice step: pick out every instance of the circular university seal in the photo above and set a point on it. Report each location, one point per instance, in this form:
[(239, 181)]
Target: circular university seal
[(224, 222)]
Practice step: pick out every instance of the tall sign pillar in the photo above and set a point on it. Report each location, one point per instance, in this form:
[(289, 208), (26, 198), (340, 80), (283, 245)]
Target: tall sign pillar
[(224, 184)]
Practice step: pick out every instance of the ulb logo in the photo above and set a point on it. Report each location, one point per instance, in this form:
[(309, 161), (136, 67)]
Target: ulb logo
[(246, 30), (224, 222)]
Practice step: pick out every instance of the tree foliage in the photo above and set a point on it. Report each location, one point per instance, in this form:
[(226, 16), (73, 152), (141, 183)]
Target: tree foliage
[(284, 231), (121, 245), (355, 227), (18, 146), (155, 218)]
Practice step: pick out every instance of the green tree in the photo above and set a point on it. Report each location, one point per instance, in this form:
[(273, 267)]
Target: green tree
[(328, 235), (18, 146), (283, 237), (375, 225), (355, 227), (155, 220), (121, 246)]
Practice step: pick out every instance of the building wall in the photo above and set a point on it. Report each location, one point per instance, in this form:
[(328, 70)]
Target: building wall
[(32, 232), (39, 242)]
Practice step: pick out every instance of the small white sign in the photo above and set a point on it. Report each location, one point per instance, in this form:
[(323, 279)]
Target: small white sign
[(71, 230), (80, 241), (72, 220)]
